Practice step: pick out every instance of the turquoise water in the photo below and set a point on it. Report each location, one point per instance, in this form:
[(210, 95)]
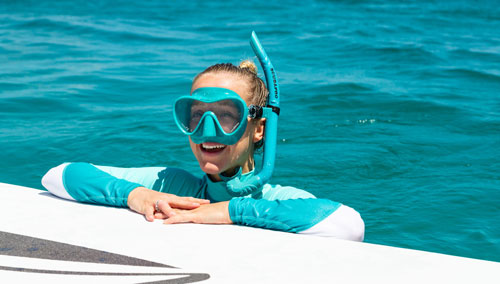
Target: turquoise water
[(391, 108)]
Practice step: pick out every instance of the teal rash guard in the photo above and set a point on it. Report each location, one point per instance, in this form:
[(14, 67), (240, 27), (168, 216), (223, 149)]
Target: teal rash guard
[(276, 207)]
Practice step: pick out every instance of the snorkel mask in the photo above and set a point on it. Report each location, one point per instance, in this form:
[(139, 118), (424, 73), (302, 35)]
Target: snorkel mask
[(220, 115), (214, 115)]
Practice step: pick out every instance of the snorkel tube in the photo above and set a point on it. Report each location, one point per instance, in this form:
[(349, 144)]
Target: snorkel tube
[(235, 186)]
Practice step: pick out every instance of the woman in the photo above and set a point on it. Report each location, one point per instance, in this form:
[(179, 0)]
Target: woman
[(219, 97)]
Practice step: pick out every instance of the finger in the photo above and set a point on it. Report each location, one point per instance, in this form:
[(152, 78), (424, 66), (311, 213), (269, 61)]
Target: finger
[(191, 199), (178, 211), (184, 203), (177, 219), (198, 200), (165, 208), (149, 213), (160, 215)]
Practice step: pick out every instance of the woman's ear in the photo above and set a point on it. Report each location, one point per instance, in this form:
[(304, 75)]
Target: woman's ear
[(259, 130)]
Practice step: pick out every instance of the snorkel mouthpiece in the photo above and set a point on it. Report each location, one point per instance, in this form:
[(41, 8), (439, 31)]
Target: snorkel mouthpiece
[(236, 187)]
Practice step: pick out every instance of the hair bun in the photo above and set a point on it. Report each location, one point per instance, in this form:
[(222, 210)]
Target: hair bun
[(249, 65)]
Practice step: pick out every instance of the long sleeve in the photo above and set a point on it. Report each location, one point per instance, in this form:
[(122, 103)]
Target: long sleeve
[(311, 216), (85, 183), (105, 185)]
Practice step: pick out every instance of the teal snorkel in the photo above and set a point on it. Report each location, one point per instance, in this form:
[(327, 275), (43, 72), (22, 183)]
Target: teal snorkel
[(235, 186)]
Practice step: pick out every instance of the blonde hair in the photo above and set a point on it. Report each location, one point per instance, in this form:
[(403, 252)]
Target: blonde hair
[(247, 70)]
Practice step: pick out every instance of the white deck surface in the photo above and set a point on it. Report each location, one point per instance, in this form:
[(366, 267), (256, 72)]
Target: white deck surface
[(228, 254)]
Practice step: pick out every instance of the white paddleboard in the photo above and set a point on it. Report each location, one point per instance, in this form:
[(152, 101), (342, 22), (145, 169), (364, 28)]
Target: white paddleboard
[(45, 239)]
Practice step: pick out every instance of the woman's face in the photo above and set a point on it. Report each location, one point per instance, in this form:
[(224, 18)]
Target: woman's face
[(216, 158)]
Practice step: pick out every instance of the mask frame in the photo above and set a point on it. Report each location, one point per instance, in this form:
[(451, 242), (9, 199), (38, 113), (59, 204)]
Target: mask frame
[(209, 128)]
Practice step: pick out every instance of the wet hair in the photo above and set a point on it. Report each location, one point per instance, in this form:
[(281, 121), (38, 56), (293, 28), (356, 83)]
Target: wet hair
[(247, 70)]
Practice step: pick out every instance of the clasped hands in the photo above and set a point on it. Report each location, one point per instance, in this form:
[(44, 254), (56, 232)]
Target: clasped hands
[(176, 209)]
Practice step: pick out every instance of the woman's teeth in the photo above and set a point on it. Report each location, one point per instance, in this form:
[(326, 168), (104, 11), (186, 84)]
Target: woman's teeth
[(213, 148)]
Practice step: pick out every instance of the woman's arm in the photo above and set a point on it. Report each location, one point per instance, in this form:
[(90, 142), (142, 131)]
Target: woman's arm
[(84, 182), (320, 217), (343, 223), (121, 187)]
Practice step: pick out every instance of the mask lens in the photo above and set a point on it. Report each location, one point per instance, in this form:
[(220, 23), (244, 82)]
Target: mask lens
[(198, 109), (183, 115), (228, 112)]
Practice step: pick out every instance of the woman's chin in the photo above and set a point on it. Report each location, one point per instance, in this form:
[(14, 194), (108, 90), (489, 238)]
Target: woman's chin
[(211, 169)]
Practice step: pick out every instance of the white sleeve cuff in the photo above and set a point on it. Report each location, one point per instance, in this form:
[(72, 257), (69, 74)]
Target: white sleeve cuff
[(344, 223), (53, 182)]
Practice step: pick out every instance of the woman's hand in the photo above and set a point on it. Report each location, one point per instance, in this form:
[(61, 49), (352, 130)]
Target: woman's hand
[(146, 201), (215, 213)]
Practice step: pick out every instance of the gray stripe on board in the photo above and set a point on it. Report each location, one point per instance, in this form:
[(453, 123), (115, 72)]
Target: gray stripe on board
[(186, 277), (20, 245)]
